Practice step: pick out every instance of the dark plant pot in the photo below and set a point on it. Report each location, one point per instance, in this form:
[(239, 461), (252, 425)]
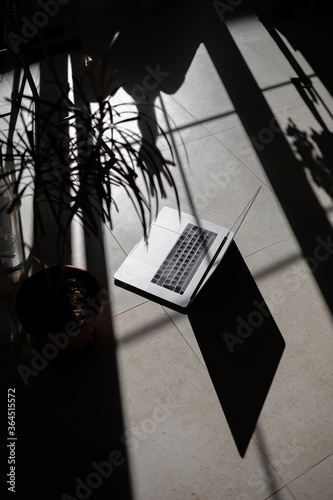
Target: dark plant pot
[(66, 318)]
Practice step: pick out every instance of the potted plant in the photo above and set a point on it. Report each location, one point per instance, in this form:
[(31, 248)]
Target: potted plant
[(69, 158)]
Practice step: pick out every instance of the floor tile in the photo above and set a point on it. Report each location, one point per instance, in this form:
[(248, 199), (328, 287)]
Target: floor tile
[(179, 443), (316, 483), (220, 188), (204, 96), (182, 323), (268, 65), (283, 494), (183, 126), (295, 419)]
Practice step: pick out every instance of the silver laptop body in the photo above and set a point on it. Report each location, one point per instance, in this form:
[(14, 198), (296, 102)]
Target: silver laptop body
[(178, 258)]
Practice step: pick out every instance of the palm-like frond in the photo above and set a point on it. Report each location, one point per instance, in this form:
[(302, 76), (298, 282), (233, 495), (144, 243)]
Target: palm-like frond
[(74, 158)]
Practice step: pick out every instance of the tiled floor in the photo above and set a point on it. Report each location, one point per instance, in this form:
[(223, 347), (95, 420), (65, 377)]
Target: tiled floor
[(238, 122)]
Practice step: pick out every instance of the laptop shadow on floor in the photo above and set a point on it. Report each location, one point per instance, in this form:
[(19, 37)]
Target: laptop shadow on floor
[(240, 343)]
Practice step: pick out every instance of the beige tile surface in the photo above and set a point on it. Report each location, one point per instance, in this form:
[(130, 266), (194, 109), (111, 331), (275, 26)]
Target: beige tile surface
[(205, 97), (315, 483), (283, 494), (181, 322), (179, 125), (179, 443), (296, 418), (220, 187)]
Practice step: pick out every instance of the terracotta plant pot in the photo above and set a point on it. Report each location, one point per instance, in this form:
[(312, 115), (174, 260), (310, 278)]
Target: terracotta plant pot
[(66, 318)]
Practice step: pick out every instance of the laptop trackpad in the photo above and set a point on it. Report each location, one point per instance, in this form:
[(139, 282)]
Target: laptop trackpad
[(160, 242)]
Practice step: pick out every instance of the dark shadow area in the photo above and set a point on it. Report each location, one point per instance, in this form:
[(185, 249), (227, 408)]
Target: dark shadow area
[(305, 215), (68, 422), (306, 26), (153, 54), (251, 370), (240, 343), (69, 426), (315, 154)]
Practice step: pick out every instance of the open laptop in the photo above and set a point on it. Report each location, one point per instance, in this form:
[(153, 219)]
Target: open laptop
[(178, 258)]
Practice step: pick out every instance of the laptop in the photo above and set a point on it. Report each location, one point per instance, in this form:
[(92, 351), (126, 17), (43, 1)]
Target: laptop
[(178, 257)]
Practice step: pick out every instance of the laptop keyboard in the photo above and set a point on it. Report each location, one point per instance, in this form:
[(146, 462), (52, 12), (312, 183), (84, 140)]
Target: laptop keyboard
[(183, 260)]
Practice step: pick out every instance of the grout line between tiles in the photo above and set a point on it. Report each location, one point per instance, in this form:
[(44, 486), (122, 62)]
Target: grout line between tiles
[(129, 309), (116, 239), (268, 246), (196, 121), (277, 492), (189, 345), (310, 468)]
